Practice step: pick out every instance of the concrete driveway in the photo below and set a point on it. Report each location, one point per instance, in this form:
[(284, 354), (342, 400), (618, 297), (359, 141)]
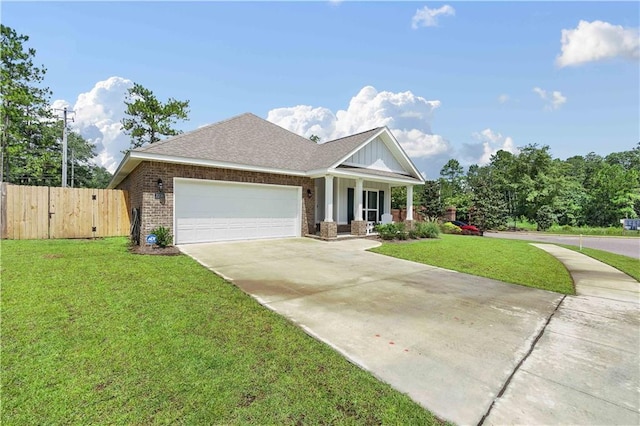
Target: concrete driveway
[(450, 341)]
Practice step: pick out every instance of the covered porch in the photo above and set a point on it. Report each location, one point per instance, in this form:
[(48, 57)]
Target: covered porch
[(352, 203)]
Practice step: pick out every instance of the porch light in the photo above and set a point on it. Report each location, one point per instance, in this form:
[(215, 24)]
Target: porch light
[(309, 194), (160, 185)]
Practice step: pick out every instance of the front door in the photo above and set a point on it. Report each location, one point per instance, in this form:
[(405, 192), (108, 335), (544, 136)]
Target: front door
[(370, 206)]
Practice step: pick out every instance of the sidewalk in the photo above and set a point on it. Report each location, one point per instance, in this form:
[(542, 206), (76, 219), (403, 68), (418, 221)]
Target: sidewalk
[(585, 367)]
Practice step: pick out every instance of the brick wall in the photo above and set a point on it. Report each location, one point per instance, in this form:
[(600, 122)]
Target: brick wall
[(142, 186)]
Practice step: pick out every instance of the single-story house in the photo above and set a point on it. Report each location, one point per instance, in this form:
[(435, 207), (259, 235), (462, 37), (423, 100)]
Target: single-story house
[(247, 178)]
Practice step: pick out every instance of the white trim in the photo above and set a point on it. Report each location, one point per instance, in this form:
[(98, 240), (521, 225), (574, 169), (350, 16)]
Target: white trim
[(375, 178), (233, 182), (211, 163), (397, 146), (135, 158), (358, 148)]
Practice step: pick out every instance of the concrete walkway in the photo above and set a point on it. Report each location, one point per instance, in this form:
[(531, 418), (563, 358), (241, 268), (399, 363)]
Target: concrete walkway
[(585, 367)]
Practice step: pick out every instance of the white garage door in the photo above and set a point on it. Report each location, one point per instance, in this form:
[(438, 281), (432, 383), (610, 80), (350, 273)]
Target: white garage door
[(225, 211)]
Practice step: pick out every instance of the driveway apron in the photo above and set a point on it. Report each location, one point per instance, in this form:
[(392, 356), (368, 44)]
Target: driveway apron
[(585, 369), (448, 340)]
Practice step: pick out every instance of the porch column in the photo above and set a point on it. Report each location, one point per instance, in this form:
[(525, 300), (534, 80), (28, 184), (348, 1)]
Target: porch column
[(328, 198), (409, 203), (358, 200), (328, 228), (358, 226)]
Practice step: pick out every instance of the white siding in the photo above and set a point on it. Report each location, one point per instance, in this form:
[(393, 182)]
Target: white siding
[(376, 156)]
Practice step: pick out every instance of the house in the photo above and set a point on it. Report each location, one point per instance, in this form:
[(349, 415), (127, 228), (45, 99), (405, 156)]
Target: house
[(247, 178)]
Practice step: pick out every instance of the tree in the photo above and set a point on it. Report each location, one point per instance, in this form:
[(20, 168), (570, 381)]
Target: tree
[(315, 138), (24, 112), (149, 119), (431, 202), (489, 208)]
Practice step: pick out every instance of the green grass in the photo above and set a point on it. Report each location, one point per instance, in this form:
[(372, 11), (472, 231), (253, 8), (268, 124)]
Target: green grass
[(626, 264), (511, 261), (578, 230), (94, 334)]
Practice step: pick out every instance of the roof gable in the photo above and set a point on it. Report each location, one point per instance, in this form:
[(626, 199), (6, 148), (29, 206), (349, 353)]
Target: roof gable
[(375, 155), (381, 151)]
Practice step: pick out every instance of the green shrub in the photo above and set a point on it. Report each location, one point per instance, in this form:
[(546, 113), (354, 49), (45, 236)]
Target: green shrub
[(402, 231), (163, 236), (429, 229), (387, 231), (545, 218), (413, 234), (450, 228)]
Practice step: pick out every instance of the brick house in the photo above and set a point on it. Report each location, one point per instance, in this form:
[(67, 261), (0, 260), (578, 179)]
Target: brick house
[(247, 178)]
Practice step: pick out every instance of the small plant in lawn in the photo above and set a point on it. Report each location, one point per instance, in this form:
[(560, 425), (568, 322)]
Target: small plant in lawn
[(163, 236), (450, 228)]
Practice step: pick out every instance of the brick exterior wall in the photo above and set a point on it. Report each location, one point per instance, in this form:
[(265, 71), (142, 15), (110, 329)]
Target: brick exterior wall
[(142, 186)]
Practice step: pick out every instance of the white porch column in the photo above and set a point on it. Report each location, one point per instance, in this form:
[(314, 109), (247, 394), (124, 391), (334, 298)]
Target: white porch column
[(409, 202), (358, 200), (328, 198)]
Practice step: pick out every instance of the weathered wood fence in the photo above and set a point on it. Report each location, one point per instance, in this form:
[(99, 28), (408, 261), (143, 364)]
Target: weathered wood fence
[(41, 212)]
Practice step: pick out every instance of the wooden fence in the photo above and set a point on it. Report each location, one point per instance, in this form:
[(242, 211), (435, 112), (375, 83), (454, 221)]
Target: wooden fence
[(41, 212)]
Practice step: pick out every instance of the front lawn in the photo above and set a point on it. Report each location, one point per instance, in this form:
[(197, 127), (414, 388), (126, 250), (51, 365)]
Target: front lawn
[(92, 334), (511, 261), (626, 264)]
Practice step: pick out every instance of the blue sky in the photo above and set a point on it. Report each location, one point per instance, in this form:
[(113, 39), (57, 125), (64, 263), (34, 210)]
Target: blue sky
[(482, 78)]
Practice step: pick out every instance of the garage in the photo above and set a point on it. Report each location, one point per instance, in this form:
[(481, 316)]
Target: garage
[(208, 211)]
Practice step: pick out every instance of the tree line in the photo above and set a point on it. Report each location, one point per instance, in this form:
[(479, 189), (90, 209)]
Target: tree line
[(531, 185), (30, 139)]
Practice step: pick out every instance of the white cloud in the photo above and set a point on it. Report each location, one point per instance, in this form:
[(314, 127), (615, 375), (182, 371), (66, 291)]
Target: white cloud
[(426, 17), (489, 142), (597, 41), (97, 118), (408, 116), (553, 99), (503, 98)]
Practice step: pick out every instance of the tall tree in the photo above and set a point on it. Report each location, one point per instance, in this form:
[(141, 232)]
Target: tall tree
[(432, 206), (24, 111), (489, 208), (149, 119)]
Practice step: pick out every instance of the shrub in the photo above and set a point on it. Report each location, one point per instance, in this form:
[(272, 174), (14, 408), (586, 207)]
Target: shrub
[(450, 228), (402, 231), (413, 234), (387, 231), (545, 218), (428, 229), (163, 236)]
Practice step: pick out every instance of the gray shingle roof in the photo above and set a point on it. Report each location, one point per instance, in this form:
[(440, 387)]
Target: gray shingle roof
[(328, 153), (244, 139), (250, 140)]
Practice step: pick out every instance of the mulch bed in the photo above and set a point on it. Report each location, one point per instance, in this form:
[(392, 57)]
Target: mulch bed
[(155, 250)]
